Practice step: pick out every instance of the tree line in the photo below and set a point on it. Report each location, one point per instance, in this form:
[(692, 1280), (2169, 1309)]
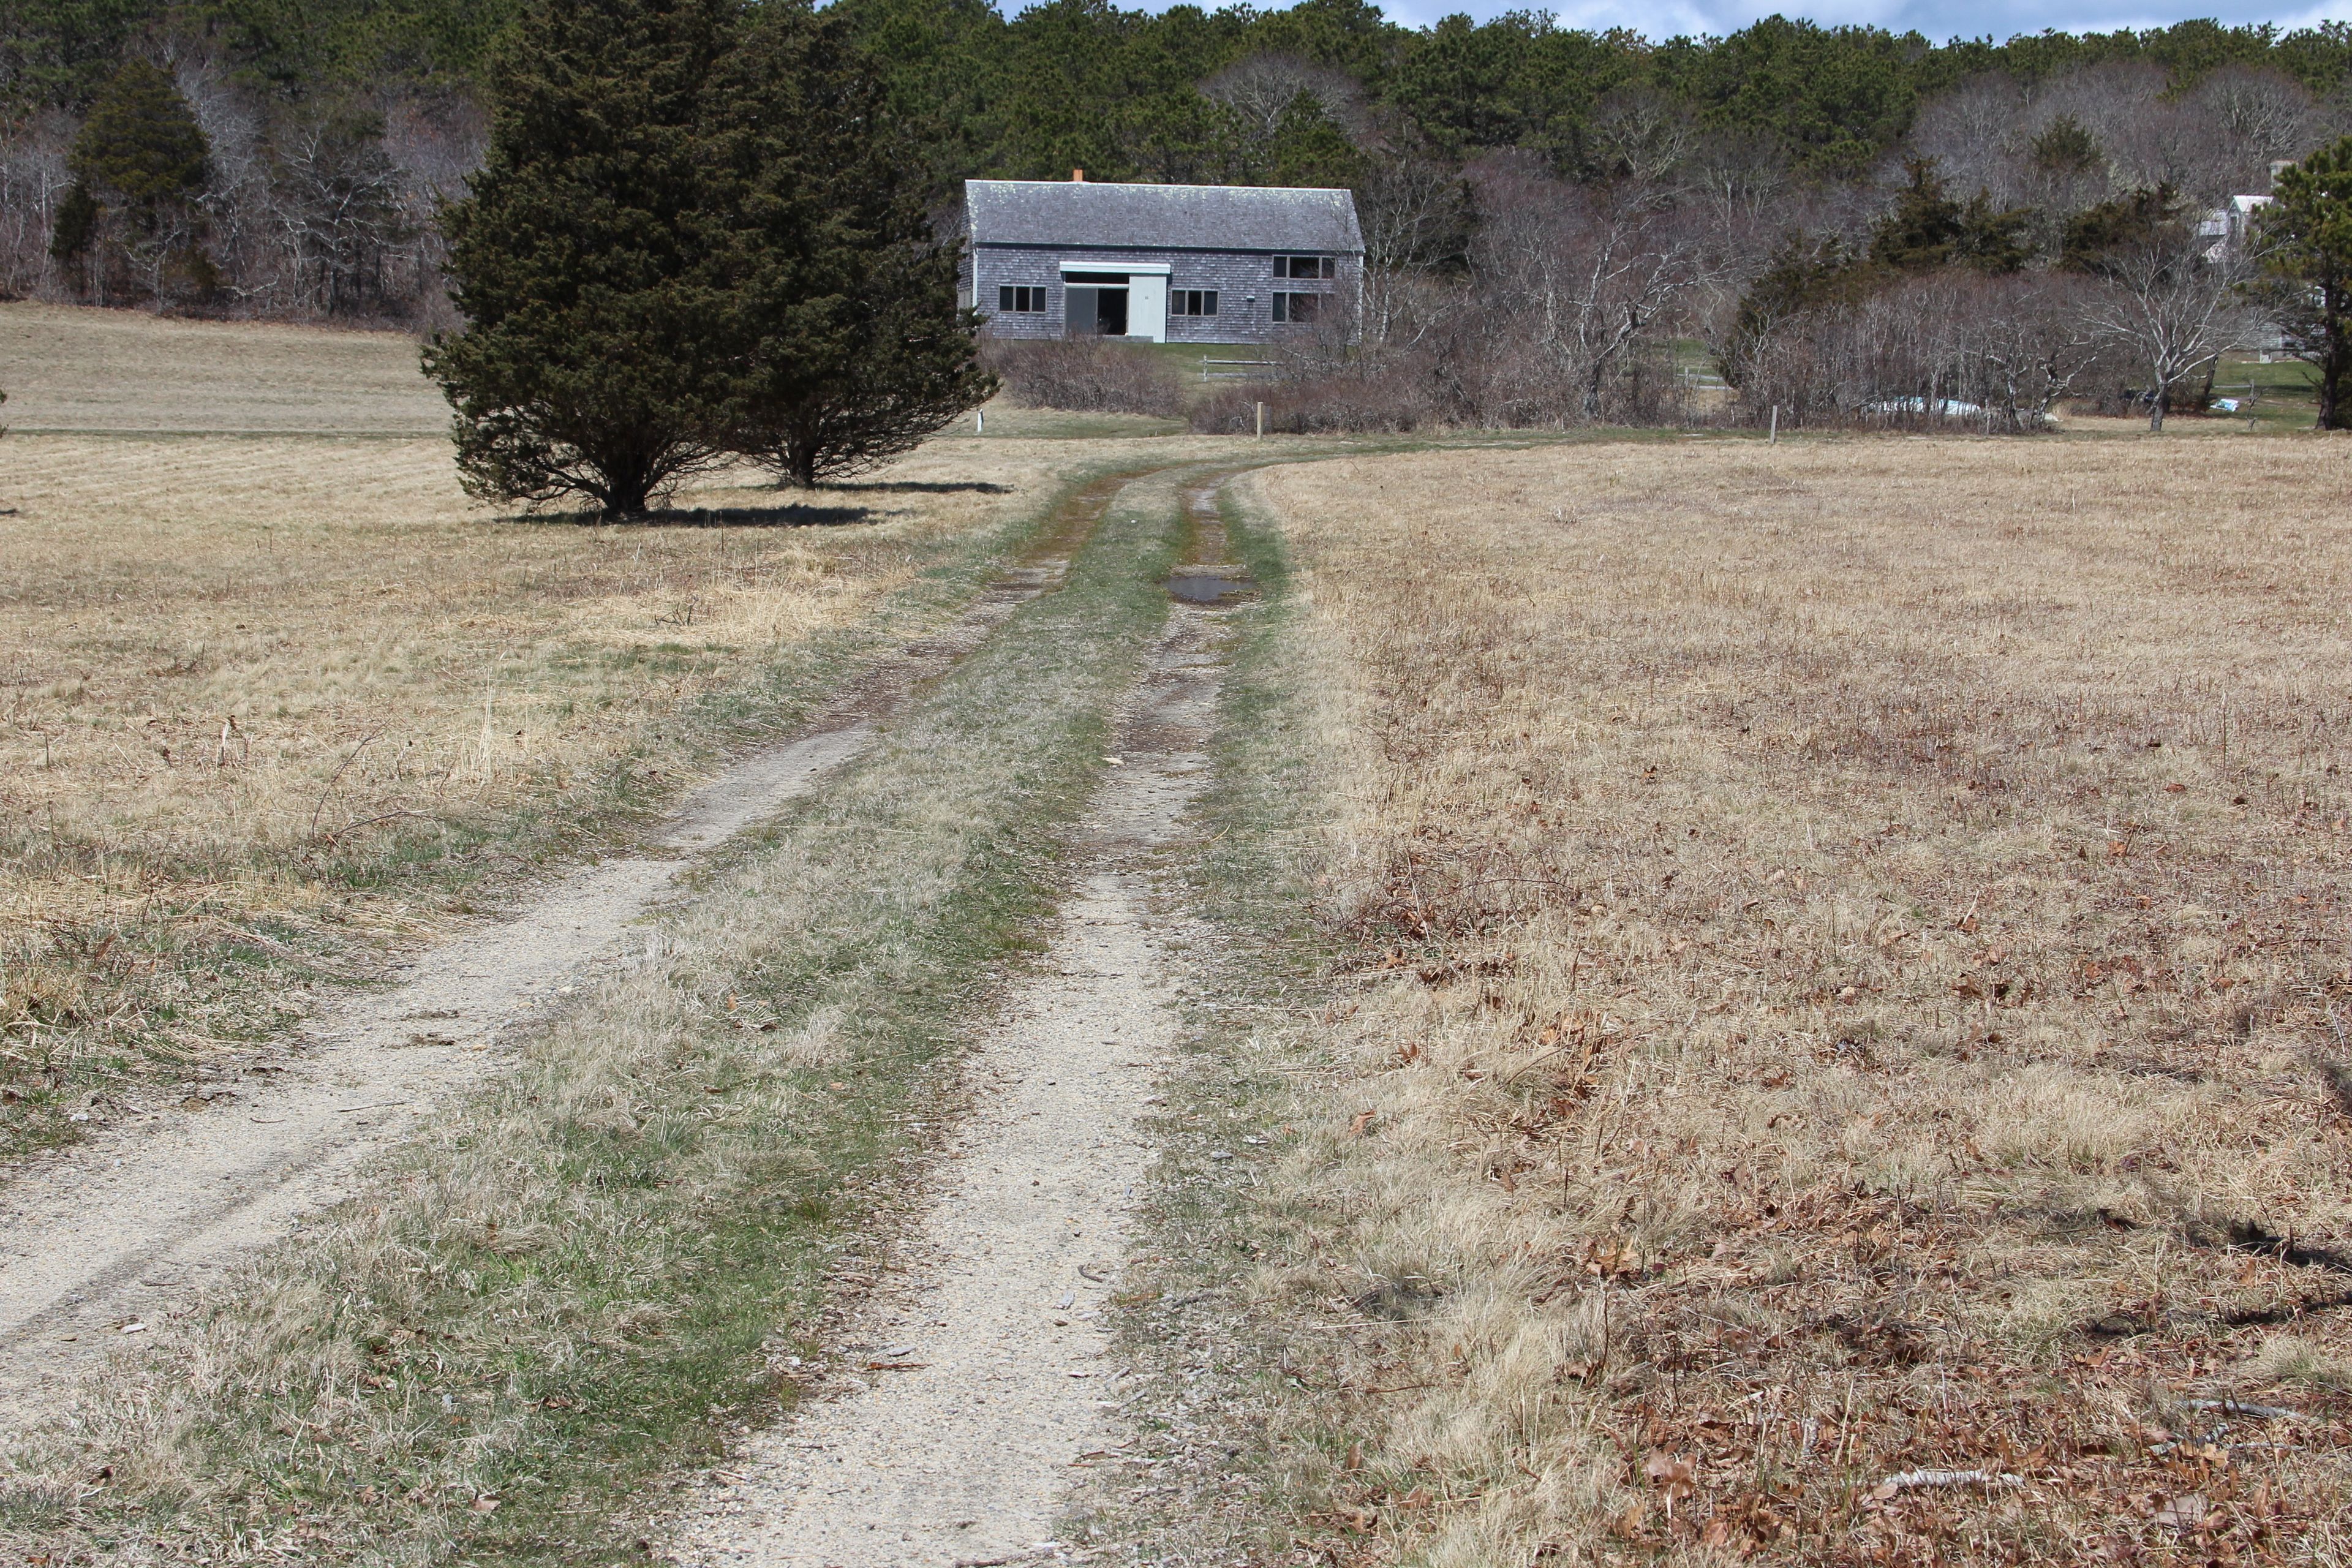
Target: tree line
[(1851, 225), (1084, 83), (330, 129)]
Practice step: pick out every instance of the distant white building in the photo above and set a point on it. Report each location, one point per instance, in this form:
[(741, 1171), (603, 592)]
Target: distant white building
[(2228, 228)]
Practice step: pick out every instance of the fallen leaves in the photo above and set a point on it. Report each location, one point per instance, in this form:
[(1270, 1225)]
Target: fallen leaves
[(1672, 1476)]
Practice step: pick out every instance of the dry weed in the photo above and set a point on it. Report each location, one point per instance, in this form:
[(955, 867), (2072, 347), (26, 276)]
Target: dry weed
[(1850, 981)]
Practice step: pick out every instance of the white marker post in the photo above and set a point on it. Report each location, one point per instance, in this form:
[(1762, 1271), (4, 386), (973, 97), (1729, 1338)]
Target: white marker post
[(1774, 438), (1261, 421)]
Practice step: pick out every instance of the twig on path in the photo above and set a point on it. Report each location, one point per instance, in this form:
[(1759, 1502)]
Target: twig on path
[(2251, 1412), (1908, 1479), (334, 833)]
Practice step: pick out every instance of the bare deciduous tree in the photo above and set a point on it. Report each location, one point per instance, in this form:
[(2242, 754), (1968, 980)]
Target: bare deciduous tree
[(1262, 89), (338, 201), (33, 179), (1586, 274), (2168, 304), (1641, 135), (1415, 216), (2274, 114)]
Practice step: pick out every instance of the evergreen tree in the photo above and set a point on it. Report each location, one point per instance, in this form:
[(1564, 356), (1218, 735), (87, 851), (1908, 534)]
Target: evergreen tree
[(843, 300), (1927, 229), (132, 218), (2306, 244), (2095, 238), (587, 263)]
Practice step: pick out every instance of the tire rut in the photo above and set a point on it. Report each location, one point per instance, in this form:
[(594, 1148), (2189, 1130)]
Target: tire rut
[(983, 1377)]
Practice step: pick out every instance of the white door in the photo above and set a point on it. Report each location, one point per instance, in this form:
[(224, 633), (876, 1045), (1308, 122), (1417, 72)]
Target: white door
[(1147, 306)]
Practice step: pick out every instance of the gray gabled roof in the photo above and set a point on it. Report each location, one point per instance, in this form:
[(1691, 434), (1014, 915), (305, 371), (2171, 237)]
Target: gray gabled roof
[(1161, 217)]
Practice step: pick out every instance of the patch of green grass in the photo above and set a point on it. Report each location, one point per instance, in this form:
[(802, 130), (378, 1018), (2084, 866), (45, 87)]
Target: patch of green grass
[(1011, 422), (2284, 392), (588, 1274)]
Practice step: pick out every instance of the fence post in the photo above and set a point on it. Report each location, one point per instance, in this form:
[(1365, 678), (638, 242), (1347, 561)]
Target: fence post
[(1774, 438), (980, 422), (1261, 421)]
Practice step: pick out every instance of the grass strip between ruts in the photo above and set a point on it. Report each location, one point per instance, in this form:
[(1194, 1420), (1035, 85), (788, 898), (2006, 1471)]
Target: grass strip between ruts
[(589, 1274), (1242, 1441)]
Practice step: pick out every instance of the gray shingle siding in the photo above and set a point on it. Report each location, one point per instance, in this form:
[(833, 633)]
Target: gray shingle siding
[(1243, 281), (1247, 228)]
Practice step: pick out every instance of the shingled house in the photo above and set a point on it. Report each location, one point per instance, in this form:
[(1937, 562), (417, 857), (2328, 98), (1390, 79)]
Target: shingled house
[(1175, 264)]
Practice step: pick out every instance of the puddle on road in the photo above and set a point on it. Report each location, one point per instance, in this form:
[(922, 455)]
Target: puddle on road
[(1204, 582), (1209, 585)]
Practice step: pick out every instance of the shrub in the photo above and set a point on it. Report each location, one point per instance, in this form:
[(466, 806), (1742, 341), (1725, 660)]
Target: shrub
[(1387, 399), (1087, 377)]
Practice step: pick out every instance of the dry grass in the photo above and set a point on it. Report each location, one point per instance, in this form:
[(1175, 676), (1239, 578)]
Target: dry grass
[(72, 369), (1849, 976), (267, 702)]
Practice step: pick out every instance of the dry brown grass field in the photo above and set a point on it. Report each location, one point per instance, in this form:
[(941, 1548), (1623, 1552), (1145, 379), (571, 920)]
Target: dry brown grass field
[(254, 685), (1851, 984)]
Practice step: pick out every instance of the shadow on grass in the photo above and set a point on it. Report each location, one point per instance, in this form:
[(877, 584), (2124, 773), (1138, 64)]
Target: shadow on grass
[(927, 486), (792, 514)]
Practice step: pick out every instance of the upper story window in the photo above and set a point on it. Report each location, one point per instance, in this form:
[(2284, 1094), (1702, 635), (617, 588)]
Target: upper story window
[(1018, 301), (1192, 302), (1307, 266)]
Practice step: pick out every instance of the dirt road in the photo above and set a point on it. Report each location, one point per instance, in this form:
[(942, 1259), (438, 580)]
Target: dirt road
[(981, 1381), (972, 1390), (105, 1240)]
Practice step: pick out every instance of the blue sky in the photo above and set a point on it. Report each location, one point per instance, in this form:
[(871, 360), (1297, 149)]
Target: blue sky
[(1939, 19)]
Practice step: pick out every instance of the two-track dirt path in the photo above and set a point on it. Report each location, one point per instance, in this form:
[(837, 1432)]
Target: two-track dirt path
[(103, 1240), (986, 1376)]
